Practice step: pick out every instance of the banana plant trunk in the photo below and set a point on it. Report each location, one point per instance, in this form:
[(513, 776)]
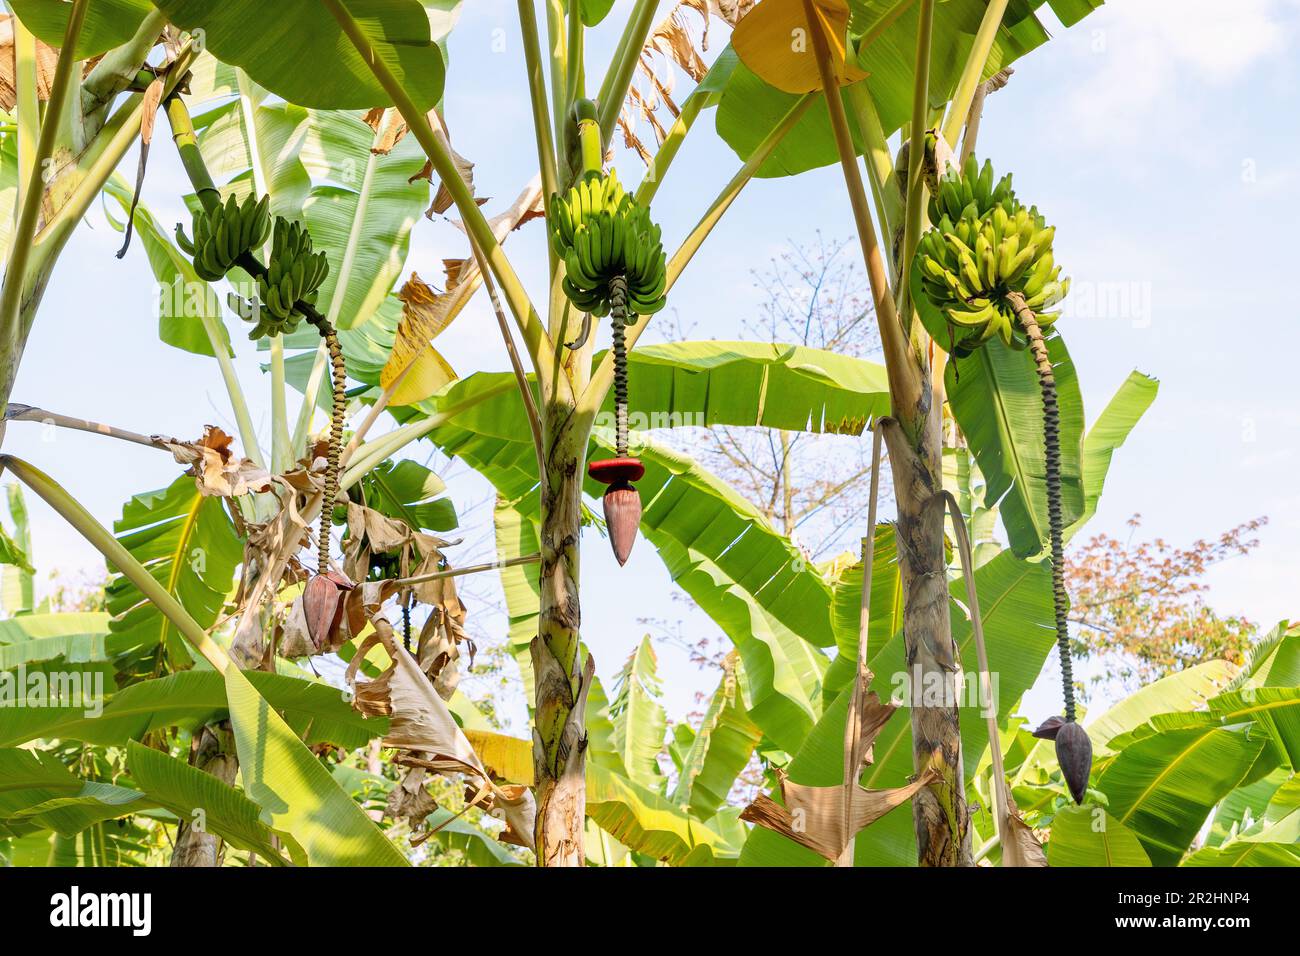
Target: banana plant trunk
[(940, 815), (560, 740), (214, 753)]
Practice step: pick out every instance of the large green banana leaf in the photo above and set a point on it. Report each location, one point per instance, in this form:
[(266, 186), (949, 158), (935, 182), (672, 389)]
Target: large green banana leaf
[(38, 793), (188, 543), (316, 711), (750, 108), (1163, 786), (769, 600), (295, 791), (298, 50), (1184, 690), (995, 398), (74, 638), (639, 719), (790, 387), (192, 794), (108, 23), (1089, 836), (1016, 602)]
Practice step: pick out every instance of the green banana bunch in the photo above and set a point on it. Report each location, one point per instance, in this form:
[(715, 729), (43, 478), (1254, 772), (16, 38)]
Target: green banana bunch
[(292, 278), (972, 186), (225, 234), (965, 268), (600, 232)]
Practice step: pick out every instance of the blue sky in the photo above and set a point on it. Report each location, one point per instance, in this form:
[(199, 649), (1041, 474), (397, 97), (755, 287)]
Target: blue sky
[(1161, 136)]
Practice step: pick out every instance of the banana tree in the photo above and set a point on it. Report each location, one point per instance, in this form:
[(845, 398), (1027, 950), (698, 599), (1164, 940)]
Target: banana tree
[(856, 49)]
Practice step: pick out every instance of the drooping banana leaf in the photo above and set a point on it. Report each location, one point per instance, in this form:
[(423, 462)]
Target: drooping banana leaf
[(17, 592), (189, 311), (316, 711), (1109, 432), (302, 54), (296, 793), (108, 23), (72, 638)]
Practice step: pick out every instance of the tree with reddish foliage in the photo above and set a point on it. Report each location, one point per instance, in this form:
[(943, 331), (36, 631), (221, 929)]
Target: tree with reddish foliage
[(1141, 606)]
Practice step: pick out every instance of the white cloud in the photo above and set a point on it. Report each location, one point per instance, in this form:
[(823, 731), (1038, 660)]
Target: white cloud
[(1137, 56)]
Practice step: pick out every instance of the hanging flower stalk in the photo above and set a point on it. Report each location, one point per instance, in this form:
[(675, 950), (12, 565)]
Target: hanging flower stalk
[(615, 265), (986, 270), (227, 235)]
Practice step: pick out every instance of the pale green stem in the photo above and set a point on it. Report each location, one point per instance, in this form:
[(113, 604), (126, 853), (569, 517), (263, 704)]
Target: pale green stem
[(540, 348), (622, 67), (914, 215), (537, 97), (281, 443), (238, 403), (879, 162), (594, 394), (117, 556), (973, 71), (25, 230), (385, 446), (575, 80), (559, 64)]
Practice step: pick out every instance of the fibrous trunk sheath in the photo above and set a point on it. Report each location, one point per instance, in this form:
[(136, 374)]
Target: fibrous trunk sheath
[(939, 811), (560, 738)]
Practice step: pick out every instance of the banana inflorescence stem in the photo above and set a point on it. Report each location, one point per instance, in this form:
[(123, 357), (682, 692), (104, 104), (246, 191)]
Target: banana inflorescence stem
[(336, 445), (1052, 443), (618, 320)]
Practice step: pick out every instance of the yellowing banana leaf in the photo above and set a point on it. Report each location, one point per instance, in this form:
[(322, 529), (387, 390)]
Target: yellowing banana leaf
[(302, 54), (416, 370), (773, 40)]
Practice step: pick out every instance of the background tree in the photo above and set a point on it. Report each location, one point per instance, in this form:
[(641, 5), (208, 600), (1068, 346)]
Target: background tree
[(1140, 606)]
